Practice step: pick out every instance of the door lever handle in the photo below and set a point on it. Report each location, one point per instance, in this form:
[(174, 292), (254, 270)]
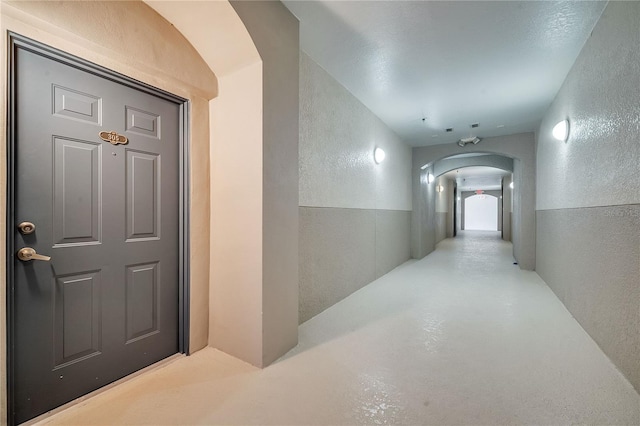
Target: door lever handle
[(27, 253)]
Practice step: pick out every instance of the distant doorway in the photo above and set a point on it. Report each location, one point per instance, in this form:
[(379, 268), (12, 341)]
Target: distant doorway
[(481, 213)]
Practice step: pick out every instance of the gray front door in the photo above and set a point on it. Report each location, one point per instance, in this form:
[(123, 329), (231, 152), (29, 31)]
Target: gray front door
[(107, 303)]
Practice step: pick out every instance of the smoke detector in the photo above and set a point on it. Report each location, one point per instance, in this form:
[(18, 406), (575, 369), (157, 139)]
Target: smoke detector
[(465, 141)]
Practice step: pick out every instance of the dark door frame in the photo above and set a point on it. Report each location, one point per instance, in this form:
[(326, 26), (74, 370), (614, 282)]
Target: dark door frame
[(16, 41), (455, 210), (501, 207)]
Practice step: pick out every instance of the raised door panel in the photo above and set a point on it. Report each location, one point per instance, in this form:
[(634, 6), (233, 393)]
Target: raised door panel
[(76, 192), (77, 308), (142, 122), (143, 196), (76, 105), (142, 300)]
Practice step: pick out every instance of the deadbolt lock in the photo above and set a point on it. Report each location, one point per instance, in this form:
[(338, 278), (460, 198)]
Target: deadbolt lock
[(26, 228), (27, 253)]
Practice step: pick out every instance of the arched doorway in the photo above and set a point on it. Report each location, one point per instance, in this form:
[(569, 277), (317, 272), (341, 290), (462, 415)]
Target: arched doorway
[(431, 161), (481, 212)]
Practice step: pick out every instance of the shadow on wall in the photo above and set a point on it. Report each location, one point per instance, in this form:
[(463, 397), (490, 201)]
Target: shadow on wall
[(353, 316)]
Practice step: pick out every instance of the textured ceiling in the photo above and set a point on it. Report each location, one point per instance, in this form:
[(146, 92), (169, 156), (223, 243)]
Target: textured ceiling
[(453, 62)]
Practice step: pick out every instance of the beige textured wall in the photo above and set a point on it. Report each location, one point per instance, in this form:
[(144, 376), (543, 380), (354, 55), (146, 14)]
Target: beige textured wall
[(149, 49), (275, 32), (253, 171), (214, 29), (236, 217), (237, 140)]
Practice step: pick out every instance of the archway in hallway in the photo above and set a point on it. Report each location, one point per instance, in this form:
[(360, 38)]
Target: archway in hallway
[(492, 180), (427, 160)]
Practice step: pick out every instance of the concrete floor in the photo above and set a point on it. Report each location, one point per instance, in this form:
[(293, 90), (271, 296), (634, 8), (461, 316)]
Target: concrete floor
[(460, 337)]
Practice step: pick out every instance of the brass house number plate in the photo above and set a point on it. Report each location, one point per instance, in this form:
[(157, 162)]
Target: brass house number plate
[(113, 138)]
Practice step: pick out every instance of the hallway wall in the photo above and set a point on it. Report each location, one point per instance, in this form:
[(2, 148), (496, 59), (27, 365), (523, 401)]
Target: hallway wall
[(588, 204), (444, 209), (354, 214), (506, 208)]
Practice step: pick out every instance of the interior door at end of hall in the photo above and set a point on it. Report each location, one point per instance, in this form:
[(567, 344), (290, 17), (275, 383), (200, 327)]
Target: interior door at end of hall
[(106, 212)]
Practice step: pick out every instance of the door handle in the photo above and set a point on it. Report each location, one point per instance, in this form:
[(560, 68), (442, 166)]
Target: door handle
[(27, 253), (26, 228)]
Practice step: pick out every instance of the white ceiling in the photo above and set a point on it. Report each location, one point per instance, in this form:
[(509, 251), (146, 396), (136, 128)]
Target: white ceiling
[(454, 62), (474, 178)]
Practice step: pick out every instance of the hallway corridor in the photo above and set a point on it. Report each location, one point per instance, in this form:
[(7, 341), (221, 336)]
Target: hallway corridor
[(462, 336)]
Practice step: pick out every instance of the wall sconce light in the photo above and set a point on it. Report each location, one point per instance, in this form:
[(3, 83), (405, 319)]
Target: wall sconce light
[(511, 185), (424, 167), (439, 188), (561, 131), (378, 155), (430, 178), (459, 198)]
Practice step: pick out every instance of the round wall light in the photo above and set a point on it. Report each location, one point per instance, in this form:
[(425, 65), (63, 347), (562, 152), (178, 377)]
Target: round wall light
[(379, 155), (430, 178), (561, 131), (511, 185)]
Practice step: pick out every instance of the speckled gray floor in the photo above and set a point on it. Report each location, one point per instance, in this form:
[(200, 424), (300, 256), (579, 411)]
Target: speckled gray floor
[(460, 337)]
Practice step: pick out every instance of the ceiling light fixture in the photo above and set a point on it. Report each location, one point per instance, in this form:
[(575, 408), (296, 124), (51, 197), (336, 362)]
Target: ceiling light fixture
[(379, 155), (561, 131), (465, 141)]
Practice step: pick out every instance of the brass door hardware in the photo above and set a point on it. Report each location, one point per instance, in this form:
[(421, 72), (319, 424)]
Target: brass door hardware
[(26, 228), (114, 138), (27, 253)]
